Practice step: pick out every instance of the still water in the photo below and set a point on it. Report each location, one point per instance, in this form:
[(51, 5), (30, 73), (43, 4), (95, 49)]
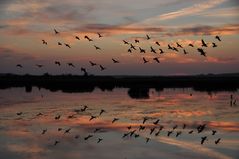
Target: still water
[(30, 135)]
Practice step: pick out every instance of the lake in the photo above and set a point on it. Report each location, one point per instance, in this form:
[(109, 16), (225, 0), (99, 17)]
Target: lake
[(34, 131)]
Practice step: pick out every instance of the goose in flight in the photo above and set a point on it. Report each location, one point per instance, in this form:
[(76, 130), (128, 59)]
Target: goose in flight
[(141, 50), (44, 42), (169, 133), (156, 122), (152, 49), (102, 111), (126, 42), (57, 63), (148, 37), (132, 46), (161, 51), (99, 140), (92, 63), (77, 37), (141, 127), (39, 65), (89, 39), (214, 45), (218, 38), (157, 43), (92, 117), (203, 43), (145, 119), (97, 48), (203, 139), (67, 45), (136, 41), (100, 36), (56, 32), (156, 59), (214, 132), (59, 43), (179, 45), (145, 61), (115, 61), (217, 141), (170, 47), (19, 65), (114, 120), (203, 53), (56, 142), (89, 136), (44, 131), (102, 68), (185, 52), (71, 64), (191, 45), (129, 50)]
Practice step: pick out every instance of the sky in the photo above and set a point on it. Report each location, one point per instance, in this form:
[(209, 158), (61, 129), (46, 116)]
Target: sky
[(25, 23)]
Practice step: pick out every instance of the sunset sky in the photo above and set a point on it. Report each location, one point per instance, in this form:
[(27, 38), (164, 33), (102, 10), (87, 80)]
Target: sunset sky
[(24, 23)]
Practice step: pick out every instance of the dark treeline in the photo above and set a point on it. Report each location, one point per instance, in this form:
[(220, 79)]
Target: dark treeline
[(138, 85)]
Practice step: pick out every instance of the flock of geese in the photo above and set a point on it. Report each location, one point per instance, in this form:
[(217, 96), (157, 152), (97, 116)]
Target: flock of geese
[(148, 125), (133, 46)]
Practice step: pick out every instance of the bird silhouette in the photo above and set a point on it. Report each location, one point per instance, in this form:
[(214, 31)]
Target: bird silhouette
[(148, 37), (114, 120), (56, 142), (129, 50), (67, 45), (145, 61), (100, 36), (185, 52), (59, 43), (214, 45), (175, 127), (141, 127), (102, 68), (178, 133), (152, 130), (39, 114), (129, 127), (89, 136), (77, 37), (161, 51), (157, 133), (99, 140), (218, 38), (89, 39), (44, 131), (59, 129), (56, 32), (141, 50), (67, 131), (71, 65), (40, 66), (71, 116), (132, 133), (214, 132), (156, 59), (156, 122), (19, 65), (170, 47), (44, 42), (157, 43), (190, 45), (92, 63), (179, 45), (92, 117), (190, 132), (217, 141), (203, 43), (126, 42), (132, 46), (97, 47), (58, 117), (184, 126), (97, 130), (145, 119), (203, 139), (147, 140), (77, 137), (84, 108), (102, 111), (200, 128), (202, 52), (136, 135), (136, 41), (152, 50), (84, 70), (175, 49), (161, 127), (169, 133), (57, 63), (115, 61)]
